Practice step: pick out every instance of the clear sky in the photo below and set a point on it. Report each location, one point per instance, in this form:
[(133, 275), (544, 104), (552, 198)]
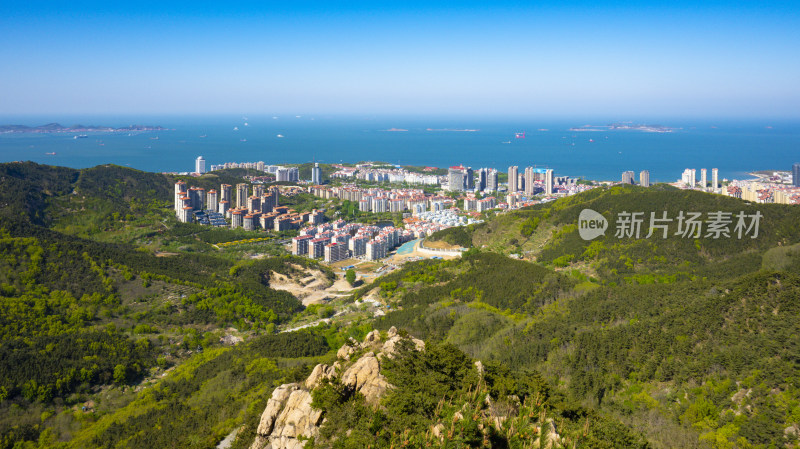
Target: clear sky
[(678, 58)]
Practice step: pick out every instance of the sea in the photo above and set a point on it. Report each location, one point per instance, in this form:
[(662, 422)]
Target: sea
[(736, 148)]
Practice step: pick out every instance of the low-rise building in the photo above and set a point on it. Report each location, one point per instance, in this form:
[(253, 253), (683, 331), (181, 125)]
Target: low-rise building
[(300, 245), (335, 251)]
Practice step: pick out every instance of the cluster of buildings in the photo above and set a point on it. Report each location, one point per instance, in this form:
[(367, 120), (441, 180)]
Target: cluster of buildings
[(779, 188), (379, 200), (479, 205), (281, 173), (370, 173), (426, 223), (629, 177), (464, 179), (248, 209), (531, 181), (340, 240), (689, 180), (764, 193)]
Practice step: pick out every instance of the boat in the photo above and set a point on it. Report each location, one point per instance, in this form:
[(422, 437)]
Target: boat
[(519, 135), (279, 135), (80, 136), (51, 154), (203, 136), (245, 124), (507, 141), (243, 140), (154, 138), (236, 128)]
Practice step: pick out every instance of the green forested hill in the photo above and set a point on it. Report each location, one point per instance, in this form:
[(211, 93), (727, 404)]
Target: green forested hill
[(693, 341), (81, 314), (111, 315)]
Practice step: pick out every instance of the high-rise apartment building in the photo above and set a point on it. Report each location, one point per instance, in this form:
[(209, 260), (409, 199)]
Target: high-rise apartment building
[(456, 178), (254, 204), (290, 174), (703, 179), (689, 177), (237, 218), (491, 180), (480, 183), (213, 199), (258, 189), (796, 175), (197, 197), (225, 192), (180, 192), (529, 177), (200, 165), (644, 178), (628, 177), (513, 184), (223, 207), (548, 181), (714, 179), (241, 195), (316, 174)]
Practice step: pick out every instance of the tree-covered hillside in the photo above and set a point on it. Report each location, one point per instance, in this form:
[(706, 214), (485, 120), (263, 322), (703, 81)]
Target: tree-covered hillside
[(80, 315), (689, 340), (119, 326)]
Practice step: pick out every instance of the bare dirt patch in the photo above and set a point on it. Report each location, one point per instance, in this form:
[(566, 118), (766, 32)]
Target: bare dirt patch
[(310, 286), (440, 244)]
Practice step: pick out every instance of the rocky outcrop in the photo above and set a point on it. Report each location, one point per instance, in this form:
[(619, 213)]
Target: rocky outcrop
[(365, 377), (289, 419), (389, 348), (346, 351), (319, 372)]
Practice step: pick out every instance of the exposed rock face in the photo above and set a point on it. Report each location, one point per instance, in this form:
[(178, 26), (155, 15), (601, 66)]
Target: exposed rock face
[(274, 406), (320, 372), (365, 376), (345, 351), (296, 419), (390, 347), (372, 337), (289, 419)]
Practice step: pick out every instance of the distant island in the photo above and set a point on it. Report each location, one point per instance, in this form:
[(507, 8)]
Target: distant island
[(625, 127), (58, 128)]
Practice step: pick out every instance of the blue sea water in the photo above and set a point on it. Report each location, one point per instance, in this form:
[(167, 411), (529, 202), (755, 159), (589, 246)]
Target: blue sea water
[(735, 147)]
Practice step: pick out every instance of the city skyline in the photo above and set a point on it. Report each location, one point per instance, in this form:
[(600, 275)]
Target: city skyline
[(721, 59)]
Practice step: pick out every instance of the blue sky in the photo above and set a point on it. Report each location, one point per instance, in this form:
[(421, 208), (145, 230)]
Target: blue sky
[(605, 59)]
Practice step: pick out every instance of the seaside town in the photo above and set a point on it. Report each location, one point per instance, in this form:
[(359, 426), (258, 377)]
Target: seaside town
[(458, 198)]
